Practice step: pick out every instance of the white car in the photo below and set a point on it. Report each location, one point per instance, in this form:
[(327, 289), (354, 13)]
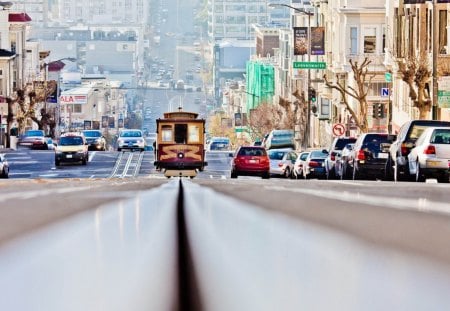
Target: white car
[(4, 167), (298, 165), (131, 139), (431, 155), (282, 162)]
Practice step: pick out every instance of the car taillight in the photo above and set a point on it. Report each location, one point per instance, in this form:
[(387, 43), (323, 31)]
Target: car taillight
[(314, 164), (264, 160), (332, 157), (280, 164), (430, 150), (361, 155)]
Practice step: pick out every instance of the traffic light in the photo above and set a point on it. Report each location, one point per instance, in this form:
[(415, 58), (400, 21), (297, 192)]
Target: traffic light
[(312, 94), (378, 111)]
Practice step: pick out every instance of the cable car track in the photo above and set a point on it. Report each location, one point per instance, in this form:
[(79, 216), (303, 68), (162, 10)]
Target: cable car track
[(127, 165)]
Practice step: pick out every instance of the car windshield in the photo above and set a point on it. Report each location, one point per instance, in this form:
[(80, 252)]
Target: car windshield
[(318, 155), (92, 134), (71, 141), (131, 134), (276, 155), (372, 142), (251, 152), (342, 142), (34, 133)]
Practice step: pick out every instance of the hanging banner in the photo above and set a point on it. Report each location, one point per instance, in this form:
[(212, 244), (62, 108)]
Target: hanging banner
[(300, 40), (318, 41), (105, 120)]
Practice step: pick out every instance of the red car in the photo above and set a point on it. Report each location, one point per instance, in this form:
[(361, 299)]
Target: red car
[(250, 161)]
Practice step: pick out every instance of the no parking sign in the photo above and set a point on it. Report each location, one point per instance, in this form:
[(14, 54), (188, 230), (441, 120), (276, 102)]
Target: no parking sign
[(338, 129)]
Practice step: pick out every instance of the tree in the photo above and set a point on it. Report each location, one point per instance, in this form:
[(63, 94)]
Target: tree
[(359, 92), (216, 129), (27, 100), (416, 72), (263, 119)]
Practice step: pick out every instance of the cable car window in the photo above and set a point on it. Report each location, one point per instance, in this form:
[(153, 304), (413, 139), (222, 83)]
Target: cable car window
[(180, 133), (194, 134), (166, 133)]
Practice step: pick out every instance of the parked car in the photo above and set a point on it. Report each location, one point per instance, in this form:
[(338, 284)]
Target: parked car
[(431, 155), (250, 161), (4, 166), (334, 153), (282, 162), (34, 139), (341, 163), (71, 147), (95, 140), (218, 144), (397, 162), (279, 139), (314, 165), (131, 139), (299, 163), (368, 158)]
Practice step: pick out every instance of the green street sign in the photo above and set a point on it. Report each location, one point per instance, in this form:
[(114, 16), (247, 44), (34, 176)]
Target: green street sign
[(443, 99), (310, 65), (388, 77)]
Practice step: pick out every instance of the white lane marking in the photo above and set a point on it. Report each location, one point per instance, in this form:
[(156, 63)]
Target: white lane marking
[(91, 155), (420, 204)]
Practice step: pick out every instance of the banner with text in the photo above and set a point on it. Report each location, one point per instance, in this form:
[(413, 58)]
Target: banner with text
[(301, 40)]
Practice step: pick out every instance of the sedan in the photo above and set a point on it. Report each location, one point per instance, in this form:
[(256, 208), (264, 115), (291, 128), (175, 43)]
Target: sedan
[(315, 164), (431, 155), (250, 161), (4, 167), (282, 162)]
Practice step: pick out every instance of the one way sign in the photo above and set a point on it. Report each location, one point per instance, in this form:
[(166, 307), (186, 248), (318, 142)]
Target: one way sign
[(384, 91)]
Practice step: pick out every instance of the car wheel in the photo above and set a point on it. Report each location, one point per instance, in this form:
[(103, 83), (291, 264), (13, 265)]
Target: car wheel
[(266, 175), (444, 178), (119, 149), (356, 174), (57, 163), (287, 173), (419, 174), (84, 161), (233, 174), (6, 173)]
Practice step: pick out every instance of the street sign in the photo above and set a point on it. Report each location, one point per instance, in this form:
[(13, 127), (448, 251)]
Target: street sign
[(338, 129), (444, 99), (388, 77), (310, 65), (384, 91)]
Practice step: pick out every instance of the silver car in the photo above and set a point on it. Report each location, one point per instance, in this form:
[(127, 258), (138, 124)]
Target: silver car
[(131, 139), (282, 162), (4, 167), (431, 155)]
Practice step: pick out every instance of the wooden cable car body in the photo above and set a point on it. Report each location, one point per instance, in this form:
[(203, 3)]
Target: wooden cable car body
[(180, 144)]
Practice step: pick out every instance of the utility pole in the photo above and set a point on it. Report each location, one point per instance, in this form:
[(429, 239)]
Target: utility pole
[(434, 106)]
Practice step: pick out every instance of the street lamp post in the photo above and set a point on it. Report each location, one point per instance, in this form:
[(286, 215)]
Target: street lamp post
[(306, 137), (58, 91)]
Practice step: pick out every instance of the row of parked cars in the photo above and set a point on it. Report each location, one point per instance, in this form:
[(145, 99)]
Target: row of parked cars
[(420, 150)]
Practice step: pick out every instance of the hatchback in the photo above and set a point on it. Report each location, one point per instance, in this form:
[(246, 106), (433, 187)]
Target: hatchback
[(131, 139), (282, 162), (250, 161), (431, 155)]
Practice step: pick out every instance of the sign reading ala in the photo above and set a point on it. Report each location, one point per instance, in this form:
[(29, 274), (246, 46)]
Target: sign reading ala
[(73, 99)]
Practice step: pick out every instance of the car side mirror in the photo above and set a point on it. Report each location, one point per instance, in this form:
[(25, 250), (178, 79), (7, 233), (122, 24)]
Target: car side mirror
[(325, 151), (55, 144), (230, 154)]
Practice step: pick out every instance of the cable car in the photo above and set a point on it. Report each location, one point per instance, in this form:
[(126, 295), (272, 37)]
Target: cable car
[(180, 144)]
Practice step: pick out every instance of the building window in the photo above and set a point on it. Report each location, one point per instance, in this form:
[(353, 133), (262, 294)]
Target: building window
[(443, 32), (370, 40), (166, 133), (353, 40)]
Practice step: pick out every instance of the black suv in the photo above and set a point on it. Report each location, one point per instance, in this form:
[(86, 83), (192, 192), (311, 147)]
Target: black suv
[(95, 140), (334, 153), (368, 157), (397, 162)]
